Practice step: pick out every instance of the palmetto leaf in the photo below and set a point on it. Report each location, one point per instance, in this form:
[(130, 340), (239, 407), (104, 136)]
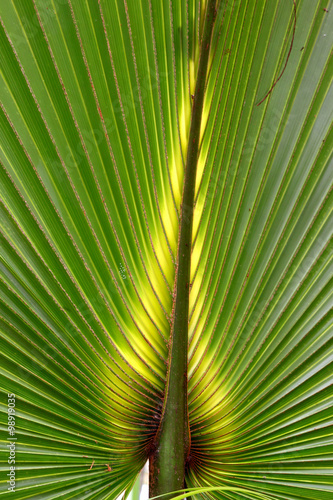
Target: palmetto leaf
[(95, 116)]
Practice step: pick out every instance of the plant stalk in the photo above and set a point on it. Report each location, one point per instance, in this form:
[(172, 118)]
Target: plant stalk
[(172, 443)]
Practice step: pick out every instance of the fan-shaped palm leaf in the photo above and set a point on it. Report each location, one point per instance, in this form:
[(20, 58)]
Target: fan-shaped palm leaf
[(96, 105)]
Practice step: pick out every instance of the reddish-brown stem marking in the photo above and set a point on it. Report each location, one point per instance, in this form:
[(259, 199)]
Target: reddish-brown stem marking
[(285, 65)]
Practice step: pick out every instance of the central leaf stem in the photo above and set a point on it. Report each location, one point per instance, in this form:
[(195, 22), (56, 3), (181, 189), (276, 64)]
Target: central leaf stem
[(167, 464)]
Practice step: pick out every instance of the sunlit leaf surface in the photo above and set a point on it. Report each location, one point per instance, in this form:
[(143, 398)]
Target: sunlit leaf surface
[(95, 115)]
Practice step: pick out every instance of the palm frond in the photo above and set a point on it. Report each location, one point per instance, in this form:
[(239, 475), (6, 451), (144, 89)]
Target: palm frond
[(95, 115)]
